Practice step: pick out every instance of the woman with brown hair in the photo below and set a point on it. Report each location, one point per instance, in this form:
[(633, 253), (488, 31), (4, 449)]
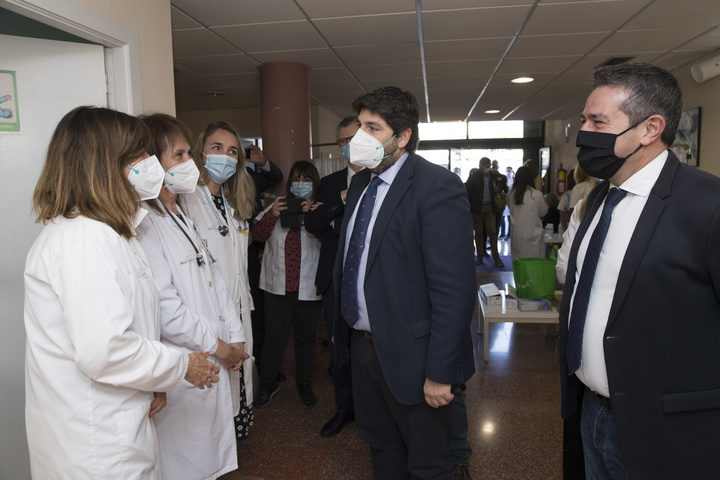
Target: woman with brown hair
[(288, 273), (195, 431), (93, 356), (221, 208), (527, 206)]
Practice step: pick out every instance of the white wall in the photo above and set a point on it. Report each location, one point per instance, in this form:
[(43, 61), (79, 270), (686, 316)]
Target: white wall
[(47, 88)]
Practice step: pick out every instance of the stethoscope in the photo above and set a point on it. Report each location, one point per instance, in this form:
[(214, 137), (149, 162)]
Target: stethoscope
[(222, 228), (198, 256)]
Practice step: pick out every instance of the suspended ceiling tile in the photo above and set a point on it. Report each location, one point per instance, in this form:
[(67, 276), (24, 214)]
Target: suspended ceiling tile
[(461, 68), (470, 49), (379, 54), (320, 58), (234, 12), (533, 66), (387, 72), (647, 40), (707, 40), (581, 17), (557, 45), (674, 14), (219, 64), (199, 42), (433, 5), (334, 8), (369, 30), (474, 23), (322, 76), (408, 84), (181, 21), (270, 37)]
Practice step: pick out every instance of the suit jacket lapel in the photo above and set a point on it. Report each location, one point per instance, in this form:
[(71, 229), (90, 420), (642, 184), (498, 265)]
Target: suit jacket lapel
[(400, 184), (643, 232)]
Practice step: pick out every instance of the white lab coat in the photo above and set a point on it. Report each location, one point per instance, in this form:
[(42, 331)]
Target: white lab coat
[(272, 273), (231, 254), (92, 355), (196, 429), (526, 235)]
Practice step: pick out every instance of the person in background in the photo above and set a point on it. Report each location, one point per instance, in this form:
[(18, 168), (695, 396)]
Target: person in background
[(504, 231), (552, 217), (408, 308), (265, 175), (500, 197), (638, 344), (481, 188), (535, 171), (527, 206), (195, 431), (221, 207), (564, 204), (583, 185), (93, 357), (289, 266), (326, 216)]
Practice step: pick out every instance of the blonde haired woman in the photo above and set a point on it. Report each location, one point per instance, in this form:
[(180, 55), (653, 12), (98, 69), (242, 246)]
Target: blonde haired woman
[(196, 429), (92, 357), (221, 208)]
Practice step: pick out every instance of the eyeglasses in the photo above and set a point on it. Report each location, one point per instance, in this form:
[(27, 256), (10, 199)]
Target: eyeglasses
[(344, 141)]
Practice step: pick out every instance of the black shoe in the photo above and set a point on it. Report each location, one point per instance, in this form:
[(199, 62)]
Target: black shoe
[(280, 377), (336, 423), (265, 395), (461, 471), (499, 263), (306, 395)]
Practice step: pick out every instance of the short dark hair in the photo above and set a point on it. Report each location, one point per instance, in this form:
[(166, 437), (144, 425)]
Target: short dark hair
[(399, 109), (345, 122), (651, 90), (485, 161)]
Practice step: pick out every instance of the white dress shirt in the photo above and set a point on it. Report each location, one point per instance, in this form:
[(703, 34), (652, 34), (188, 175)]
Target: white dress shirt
[(387, 177), (592, 371)]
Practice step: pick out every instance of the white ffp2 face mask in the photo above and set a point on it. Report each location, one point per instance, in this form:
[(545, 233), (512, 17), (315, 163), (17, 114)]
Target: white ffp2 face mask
[(182, 178), (366, 150), (147, 177)]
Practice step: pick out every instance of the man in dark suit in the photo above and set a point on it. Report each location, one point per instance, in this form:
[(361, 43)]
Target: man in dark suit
[(326, 216), (405, 282), (640, 315), (482, 186)]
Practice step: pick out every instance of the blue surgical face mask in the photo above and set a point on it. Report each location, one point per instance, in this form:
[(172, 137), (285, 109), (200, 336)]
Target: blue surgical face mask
[(301, 189), (220, 167), (346, 151)]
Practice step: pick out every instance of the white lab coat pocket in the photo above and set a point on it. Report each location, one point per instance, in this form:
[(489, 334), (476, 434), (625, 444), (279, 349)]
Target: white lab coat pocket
[(138, 443)]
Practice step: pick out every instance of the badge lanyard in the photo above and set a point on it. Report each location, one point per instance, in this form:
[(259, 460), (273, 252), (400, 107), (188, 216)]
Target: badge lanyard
[(222, 228), (198, 256)]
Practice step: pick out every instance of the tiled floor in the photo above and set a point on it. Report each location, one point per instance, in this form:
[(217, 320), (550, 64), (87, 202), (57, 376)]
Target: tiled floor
[(513, 413)]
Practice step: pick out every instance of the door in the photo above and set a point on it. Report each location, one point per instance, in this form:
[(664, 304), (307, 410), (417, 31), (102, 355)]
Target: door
[(51, 78)]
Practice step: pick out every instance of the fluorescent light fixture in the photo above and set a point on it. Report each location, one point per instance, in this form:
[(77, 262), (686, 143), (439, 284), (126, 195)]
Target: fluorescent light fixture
[(522, 80), (492, 111)]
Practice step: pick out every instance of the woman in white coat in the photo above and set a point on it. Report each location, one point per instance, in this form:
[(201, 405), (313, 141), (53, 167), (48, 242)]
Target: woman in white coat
[(221, 206), (287, 276), (93, 355), (196, 428), (526, 206)]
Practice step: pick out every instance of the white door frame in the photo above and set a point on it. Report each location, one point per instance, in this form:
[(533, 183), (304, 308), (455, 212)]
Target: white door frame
[(122, 44)]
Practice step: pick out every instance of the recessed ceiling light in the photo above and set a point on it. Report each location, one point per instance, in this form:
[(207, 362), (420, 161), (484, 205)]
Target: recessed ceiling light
[(522, 80), (492, 111)]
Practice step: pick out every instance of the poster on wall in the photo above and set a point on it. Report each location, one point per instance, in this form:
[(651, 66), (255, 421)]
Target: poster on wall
[(9, 115)]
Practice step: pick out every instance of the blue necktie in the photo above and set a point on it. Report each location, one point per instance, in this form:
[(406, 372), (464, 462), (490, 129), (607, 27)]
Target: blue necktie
[(584, 286), (348, 285)]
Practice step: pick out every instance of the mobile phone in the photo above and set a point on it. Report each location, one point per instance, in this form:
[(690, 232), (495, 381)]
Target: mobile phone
[(247, 152)]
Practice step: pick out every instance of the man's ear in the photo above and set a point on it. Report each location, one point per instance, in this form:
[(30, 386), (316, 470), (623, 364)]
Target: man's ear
[(404, 137), (654, 127)]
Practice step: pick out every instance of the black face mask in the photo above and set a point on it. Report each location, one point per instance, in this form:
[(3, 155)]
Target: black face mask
[(597, 153)]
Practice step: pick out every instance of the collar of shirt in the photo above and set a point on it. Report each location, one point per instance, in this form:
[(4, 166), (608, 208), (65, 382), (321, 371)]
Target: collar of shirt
[(350, 174), (139, 215), (389, 175), (642, 181)]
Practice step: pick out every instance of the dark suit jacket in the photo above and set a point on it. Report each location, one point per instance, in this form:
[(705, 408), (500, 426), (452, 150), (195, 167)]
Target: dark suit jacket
[(662, 341), (420, 281), (319, 220), (475, 186), (263, 181)]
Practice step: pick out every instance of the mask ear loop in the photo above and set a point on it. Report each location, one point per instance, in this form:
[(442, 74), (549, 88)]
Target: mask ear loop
[(383, 146)]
